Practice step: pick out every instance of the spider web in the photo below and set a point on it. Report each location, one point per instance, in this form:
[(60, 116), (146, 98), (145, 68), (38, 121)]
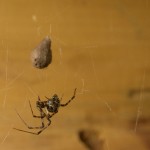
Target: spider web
[(69, 75)]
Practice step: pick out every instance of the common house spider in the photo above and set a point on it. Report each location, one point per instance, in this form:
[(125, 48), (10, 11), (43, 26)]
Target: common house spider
[(47, 108)]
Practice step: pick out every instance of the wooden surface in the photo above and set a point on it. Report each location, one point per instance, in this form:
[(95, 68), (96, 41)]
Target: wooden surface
[(100, 47)]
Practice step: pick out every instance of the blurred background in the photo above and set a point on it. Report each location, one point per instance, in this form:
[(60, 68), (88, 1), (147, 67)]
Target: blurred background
[(99, 47)]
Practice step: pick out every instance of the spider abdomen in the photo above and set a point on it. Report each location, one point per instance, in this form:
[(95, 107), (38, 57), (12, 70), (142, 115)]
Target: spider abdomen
[(52, 105)]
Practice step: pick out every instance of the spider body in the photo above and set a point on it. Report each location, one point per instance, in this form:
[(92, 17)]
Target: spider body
[(53, 104), (47, 109)]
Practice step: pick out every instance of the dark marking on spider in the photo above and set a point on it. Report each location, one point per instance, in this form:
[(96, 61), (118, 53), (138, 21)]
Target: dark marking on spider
[(47, 108)]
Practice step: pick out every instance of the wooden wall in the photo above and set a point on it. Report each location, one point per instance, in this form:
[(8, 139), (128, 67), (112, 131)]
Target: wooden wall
[(100, 47)]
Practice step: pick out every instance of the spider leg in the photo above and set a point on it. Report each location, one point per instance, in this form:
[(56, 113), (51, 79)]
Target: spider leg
[(41, 116), (50, 116), (39, 98), (70, 99), (47, 98), (25, 131), (40, 127), (49, 122), (61, 97), (37, 133)]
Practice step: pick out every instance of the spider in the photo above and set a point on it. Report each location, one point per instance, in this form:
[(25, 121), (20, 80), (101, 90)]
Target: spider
[(47, 108)]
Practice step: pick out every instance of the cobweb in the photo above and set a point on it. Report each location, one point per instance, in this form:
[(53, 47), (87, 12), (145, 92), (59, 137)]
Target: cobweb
[(9, 83), (43, 77), (83, 85)]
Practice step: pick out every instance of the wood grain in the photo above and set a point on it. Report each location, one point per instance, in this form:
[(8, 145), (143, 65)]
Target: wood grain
[(99, 47)]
